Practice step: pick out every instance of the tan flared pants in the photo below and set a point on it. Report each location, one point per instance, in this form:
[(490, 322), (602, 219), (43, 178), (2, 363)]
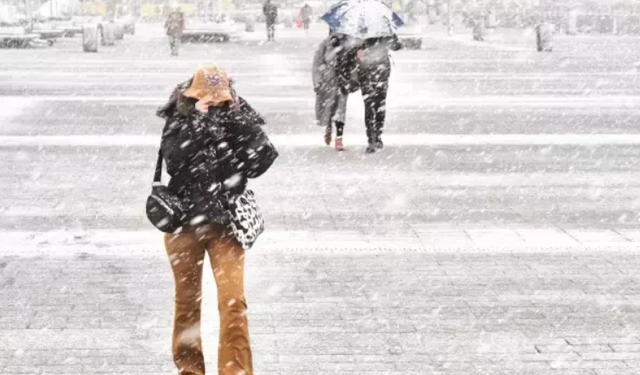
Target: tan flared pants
[(186, 253)]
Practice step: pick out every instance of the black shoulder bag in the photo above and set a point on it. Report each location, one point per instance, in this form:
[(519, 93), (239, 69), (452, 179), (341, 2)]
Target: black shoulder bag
[(164, 209)]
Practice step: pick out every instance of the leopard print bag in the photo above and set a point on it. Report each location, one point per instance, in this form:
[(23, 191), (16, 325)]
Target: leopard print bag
[(247, 223)]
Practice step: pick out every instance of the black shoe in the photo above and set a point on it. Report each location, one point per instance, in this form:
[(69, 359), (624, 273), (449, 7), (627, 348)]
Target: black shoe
[(371, 149), (379, 144)]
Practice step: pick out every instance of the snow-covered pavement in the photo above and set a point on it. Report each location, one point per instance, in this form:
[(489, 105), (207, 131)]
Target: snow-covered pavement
[(497, 233), (82, 304)]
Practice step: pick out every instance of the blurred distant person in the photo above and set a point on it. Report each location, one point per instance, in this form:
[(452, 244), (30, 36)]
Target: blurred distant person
[(334, 77), (270, 11), (477, 23), (306, 12), (544, 34), (175, 28), (410, 12), (572, 22), (419, 9)]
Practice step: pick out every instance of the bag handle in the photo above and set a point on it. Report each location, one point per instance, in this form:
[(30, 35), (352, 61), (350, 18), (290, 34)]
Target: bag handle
[(157, 177)]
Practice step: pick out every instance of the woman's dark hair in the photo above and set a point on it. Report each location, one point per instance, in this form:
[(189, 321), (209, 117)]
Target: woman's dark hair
[(336, 39), (186, 105)]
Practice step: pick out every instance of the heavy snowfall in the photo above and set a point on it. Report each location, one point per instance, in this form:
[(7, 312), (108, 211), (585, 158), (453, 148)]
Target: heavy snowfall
[(489, 225)]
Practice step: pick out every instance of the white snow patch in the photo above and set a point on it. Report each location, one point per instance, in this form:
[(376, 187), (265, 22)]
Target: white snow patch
[(190, 335), (12, 107), (137, 244), (394, 102), (307, 140)]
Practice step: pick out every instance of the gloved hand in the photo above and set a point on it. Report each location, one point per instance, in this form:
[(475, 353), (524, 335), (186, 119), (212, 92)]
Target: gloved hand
[(350, 85), (396, 44)]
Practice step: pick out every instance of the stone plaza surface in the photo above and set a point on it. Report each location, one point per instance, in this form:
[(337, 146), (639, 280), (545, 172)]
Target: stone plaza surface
[(73, 308), (496, 234)]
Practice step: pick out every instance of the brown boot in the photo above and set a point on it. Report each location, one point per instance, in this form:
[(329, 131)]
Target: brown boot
[(339, 146), (327, 136)]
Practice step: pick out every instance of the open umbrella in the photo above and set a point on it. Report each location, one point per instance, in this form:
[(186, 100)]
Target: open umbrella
[(363, 19)]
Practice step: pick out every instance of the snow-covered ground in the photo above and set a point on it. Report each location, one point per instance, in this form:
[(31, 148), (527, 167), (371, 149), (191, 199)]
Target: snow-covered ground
[(497, 233)]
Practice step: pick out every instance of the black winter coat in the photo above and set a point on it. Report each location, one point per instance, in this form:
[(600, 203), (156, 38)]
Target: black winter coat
[(210, 156), (270, 11)]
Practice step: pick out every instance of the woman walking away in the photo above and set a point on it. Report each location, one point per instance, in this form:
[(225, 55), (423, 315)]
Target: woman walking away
[(374, 73), (334, 77), (211, 144)]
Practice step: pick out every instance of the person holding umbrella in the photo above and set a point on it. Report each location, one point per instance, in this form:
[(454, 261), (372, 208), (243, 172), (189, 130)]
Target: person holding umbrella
[(375, 25), (373, 74)]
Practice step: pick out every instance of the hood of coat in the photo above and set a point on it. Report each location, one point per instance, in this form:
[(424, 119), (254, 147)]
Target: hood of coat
[(176, 99)]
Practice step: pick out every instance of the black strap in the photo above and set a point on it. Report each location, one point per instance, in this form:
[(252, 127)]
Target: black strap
[(158, 176)]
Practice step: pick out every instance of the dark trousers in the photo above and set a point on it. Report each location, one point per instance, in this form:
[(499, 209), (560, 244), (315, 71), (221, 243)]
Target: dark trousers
[(339, 128), (174, 43), (271, 31), (374, 83)]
